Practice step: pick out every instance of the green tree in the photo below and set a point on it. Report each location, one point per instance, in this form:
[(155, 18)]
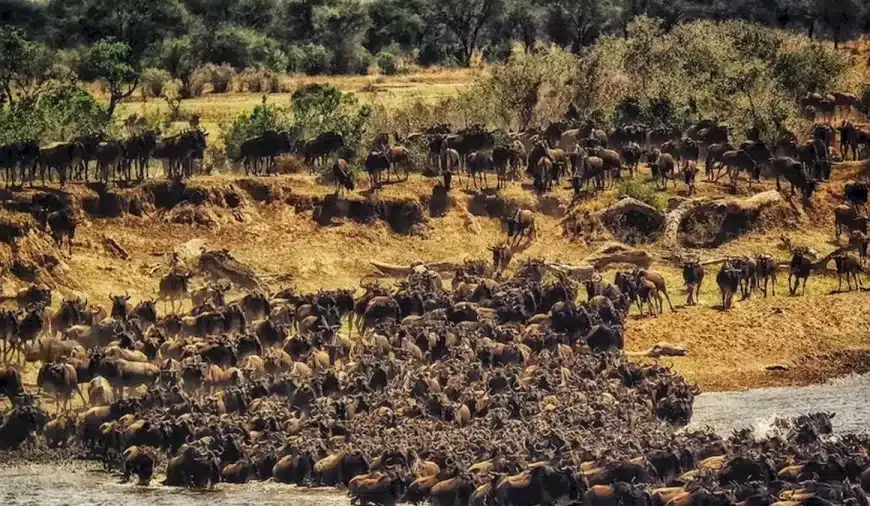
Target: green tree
[(577, 23), (26, 68), (319, 108), (111, 62), (137, 23), (840, 17), (466, 20)]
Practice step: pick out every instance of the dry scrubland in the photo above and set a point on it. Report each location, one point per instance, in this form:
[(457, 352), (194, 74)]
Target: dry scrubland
[(423, 85), (818, 335)]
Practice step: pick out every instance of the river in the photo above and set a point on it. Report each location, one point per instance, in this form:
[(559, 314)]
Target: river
[(75, 485)]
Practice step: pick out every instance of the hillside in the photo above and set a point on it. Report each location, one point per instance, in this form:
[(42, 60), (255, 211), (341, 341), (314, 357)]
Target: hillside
[(269, 224)]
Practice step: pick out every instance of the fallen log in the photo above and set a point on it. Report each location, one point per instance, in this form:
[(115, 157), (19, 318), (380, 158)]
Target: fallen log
[(728, 218), (221, 264), (630, 218)]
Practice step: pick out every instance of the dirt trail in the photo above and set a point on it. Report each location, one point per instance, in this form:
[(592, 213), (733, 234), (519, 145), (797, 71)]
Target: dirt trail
[(291, 232)]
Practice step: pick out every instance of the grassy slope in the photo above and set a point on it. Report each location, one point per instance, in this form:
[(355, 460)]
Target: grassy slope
[(727, 350)]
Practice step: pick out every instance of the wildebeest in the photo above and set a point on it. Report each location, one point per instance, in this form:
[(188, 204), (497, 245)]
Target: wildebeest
[(342, 177), (856, 193), (850, 266), (739, 161), (479, 163), (728, 279), (766, 271), (848, 220), (659, 281), (693, 275), (265, 147), (173, 287), (795, 174), (325, 144), (398, 156), (663, 166), (690, 170), (62, 380), (60, 157), (800, 267), (181, 151), (376, 162), (522, 224)]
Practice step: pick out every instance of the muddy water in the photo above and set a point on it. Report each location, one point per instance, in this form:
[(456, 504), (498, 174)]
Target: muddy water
[(44, 485), (848, 397)]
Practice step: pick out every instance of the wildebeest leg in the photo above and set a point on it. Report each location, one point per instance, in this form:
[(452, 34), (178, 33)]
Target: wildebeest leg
[(804, 290)]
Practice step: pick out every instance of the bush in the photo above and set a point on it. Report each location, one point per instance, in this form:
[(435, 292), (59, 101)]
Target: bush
[(220, 77), (153, 81), (808, 68), (319, 108), (642, 191), (310, 59), (259, 81), (388, 63), (59, 115)]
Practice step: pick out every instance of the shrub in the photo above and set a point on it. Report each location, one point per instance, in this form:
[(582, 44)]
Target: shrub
[(259, 81), (58, 115), (153, 81), (220, 77), (319, 108), (310, 59), (388, 63), (643, 191)]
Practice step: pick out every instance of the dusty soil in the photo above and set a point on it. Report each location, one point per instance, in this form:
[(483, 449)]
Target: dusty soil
[(293, 232)]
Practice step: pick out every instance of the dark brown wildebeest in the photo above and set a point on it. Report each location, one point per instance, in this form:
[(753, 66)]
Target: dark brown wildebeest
[(856, 193), (173, 287), (59, 224), (62, 380), (110, 157), (501, 257), (800, 267), (479, 163), (714, 156), (738, 161), (501, 157), (265, 147), (119, 306), (663, 166), (728, 279), (690, 170), (138, 150), (693, 275), (647, 293), (543, 175), (522, 224), (766, 271), (376, 162), (11, 384), (848, 220), (325, 144), (60, 157), (748, 275), (181, 151), (795, 174), (342, 177), (850, 266), (631, 155)]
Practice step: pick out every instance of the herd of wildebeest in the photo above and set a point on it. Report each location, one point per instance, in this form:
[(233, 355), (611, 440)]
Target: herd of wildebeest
[(486, 389), (484, 392)]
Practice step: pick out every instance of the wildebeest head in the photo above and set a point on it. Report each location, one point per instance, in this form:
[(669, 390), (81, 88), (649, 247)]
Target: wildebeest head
[(119, 305)]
